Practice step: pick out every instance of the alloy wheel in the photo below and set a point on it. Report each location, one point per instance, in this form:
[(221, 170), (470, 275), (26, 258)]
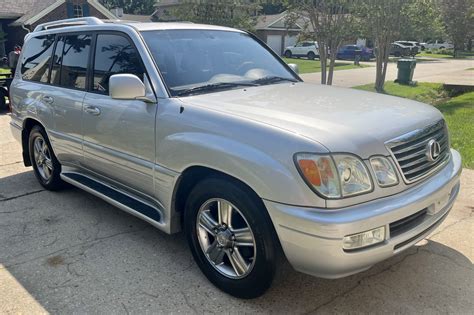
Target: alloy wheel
[(226, 238), (42, 157)]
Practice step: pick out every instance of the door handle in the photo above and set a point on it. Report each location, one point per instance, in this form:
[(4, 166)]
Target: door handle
[(92, 110), (48, 99)]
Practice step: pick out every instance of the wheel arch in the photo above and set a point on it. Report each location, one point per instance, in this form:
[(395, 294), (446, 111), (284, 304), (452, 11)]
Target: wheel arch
[(196, 173), (28, 124)]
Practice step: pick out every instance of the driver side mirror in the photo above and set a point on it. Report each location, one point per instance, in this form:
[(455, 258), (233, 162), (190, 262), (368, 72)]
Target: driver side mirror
[(127, 87), (294, 67)]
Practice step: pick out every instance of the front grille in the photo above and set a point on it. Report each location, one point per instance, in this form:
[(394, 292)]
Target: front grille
[(410, 151), (407, 223)]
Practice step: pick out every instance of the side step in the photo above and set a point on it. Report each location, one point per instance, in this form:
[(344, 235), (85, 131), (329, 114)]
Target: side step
[(115, 197)]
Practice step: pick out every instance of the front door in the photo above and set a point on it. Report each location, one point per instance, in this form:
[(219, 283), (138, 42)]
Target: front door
[(118, 135)]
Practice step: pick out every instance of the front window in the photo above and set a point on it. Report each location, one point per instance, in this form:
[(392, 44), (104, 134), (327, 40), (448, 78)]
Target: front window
[(200, 61)]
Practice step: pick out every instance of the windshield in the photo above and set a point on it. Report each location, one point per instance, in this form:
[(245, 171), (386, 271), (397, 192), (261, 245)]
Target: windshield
[(200, 61)]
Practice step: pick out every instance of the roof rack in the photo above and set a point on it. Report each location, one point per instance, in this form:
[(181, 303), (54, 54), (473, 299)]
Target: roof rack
[(69, 22)]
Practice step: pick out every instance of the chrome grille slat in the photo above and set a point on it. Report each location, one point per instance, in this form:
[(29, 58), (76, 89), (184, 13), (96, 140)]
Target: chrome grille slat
[(410, 151), (404, 164), (419, 144)]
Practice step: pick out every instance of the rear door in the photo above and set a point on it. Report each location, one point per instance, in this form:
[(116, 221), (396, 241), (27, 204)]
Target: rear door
[(53, 69), (118, 135), (68, 81)]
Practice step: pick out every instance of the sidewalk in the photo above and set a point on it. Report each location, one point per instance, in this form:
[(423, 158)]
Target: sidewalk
[(439, 71)]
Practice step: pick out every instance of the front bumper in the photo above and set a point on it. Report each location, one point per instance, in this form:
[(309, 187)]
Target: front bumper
[(312, 238)]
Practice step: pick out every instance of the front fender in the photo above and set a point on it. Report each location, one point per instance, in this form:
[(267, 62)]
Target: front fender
[(271, 177)]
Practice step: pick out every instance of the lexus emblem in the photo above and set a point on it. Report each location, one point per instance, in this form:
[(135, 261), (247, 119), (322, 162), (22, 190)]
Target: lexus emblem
[(433, 150)]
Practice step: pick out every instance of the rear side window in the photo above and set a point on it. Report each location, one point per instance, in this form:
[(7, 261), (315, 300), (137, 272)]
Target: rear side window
[(75, 58), (114, 54), (36, 58)]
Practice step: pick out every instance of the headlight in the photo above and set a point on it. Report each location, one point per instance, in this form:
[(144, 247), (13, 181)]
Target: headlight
[(353, 174), (384, 171), (335, 176)]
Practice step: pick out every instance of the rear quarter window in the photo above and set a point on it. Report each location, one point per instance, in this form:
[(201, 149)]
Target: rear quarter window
[(36, 58)]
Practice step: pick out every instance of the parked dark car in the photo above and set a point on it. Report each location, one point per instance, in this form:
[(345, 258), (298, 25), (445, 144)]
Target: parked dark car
[(414, 46), (348, 52), (399, 50)]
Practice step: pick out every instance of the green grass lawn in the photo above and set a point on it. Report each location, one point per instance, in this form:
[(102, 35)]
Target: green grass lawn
[(458, 111), (308, 66), (461, 55), (431, 55)]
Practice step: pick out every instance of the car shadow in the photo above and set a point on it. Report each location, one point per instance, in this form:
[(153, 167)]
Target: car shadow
[(73, 252)]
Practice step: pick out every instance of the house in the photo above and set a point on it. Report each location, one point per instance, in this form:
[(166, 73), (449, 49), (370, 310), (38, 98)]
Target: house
[(279, 31), (118, 12), (19, 17)]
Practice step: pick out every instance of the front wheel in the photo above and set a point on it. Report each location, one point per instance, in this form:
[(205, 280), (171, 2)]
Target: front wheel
[(231, 237), (288, 54)]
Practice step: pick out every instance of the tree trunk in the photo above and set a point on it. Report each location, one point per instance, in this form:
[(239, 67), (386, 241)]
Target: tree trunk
[(382, 56), (323, 61), (334, 49)]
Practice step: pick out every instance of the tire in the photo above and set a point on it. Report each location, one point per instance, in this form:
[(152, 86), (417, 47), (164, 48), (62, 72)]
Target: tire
[(288, 54), (255, 275), (442, 47), (311, 55), (397, 54), (3, 103), (46, 167)]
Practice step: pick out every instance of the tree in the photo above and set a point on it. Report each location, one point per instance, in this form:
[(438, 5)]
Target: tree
[(332, 24), (421, 21), (458, 17), (145, 7), (232, 13), (381, 21)]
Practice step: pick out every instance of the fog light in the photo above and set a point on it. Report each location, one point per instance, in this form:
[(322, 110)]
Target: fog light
[(364, 239)]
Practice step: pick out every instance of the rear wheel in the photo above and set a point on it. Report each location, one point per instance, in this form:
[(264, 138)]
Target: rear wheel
[(311, 55), (45, 165), (288, 54), (231, 237)]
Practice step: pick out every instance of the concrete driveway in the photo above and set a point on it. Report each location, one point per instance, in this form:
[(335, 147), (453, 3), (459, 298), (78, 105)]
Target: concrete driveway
[(451, 71), (70, 252)]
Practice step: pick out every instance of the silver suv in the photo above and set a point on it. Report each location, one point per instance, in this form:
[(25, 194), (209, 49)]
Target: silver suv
[(204, 129)]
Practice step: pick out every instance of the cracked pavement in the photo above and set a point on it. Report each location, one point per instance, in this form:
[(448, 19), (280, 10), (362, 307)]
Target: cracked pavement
[(68, 251)]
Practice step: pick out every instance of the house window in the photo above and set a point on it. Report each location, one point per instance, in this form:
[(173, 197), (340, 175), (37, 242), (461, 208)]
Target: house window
[(78, 11)]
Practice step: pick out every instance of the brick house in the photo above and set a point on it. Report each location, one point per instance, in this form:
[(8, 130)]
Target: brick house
[(19, 17)]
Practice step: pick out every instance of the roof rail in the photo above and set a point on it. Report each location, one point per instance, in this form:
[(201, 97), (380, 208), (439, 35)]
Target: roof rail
[(69, 22)]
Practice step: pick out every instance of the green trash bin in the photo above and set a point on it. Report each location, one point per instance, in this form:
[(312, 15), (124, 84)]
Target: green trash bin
[(406, 67)]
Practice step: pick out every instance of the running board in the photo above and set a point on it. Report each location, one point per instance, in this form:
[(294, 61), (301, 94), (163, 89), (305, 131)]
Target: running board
[(117, 198)]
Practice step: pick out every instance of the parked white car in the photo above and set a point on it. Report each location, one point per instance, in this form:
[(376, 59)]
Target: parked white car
[(436, 45), (307, 49)]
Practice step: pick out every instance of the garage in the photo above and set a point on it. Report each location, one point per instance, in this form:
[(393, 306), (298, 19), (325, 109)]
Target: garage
[(274, 42)]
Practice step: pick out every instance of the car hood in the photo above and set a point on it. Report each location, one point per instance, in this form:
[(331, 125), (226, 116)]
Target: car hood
[(341, 119)]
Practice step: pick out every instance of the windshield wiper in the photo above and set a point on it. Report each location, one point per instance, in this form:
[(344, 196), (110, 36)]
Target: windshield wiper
[(212, 86), (272, 79)]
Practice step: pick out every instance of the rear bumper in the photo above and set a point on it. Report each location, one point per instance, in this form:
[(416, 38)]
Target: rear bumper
[(312, 239)]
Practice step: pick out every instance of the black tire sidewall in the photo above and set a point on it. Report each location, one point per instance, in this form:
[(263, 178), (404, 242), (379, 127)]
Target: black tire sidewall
[(288, 54), (311, 55), (262, 274), (54, 182)]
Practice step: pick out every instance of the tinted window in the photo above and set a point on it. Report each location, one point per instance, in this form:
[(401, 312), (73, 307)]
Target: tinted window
[(57, 61), (36, 58), (114, 54), (75, 56)]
